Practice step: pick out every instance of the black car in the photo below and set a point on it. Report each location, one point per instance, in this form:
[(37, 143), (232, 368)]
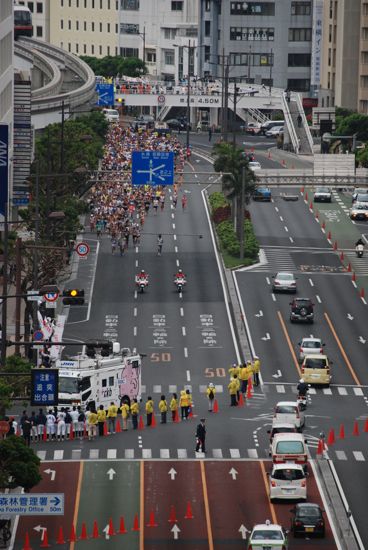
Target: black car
[(307, 520), (177, 124), (302, 310)]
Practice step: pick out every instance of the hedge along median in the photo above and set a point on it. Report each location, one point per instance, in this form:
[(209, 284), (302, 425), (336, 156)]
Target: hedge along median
[(229, 242)]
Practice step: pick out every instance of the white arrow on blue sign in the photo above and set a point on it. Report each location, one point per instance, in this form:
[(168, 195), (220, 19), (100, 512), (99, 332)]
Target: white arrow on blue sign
[(35, 504)]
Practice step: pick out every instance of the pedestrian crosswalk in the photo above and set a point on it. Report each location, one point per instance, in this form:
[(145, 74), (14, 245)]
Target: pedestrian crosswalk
[(358, 265), (275, 259), (58, 455)]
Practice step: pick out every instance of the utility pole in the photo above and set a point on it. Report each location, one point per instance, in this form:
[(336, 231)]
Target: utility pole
[(249, 62), (188, 96), (234, 112), (226, 99), (271, 65), (242, 206), (62, 152), (144, 44), (4, 312), (18, 282)]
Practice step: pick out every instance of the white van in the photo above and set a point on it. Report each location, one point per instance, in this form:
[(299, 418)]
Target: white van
[(289, 448), (112, 115)]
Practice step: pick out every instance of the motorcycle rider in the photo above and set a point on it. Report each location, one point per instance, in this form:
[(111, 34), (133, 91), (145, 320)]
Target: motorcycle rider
[(142, 276), (359, 242), (359, 247), (180, 275), (302, 388)]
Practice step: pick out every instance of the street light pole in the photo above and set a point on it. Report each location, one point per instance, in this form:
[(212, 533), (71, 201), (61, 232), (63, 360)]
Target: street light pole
[(188, 97), (144, 44), (271, 65), (4, 311)]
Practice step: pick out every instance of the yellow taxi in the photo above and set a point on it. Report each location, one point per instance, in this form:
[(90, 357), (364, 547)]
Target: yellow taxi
[(316, 369)]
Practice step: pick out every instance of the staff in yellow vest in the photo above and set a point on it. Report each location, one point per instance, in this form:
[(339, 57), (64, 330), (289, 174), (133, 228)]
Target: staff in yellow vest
[(233, 390), (256, 370)]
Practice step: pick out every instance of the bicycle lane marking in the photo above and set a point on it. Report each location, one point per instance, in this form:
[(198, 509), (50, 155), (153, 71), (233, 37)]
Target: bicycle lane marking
[(161, 492), (66, 481), (102, 499)]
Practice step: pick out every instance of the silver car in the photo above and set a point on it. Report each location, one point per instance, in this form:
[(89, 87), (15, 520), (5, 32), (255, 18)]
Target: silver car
[(283, 281), (322, 194), (310, 346)]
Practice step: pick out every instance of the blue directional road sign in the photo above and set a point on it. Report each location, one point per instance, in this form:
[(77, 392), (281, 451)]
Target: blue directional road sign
[(35, 504), (20, 201), (152, 168), (44, 387), (105, 94)]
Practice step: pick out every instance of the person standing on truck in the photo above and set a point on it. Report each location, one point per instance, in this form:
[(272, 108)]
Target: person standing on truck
[(112, 413), (101, 419), (149, 410), (134, 411)]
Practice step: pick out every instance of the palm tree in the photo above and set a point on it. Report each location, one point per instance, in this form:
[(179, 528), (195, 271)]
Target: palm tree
[(232, 161)]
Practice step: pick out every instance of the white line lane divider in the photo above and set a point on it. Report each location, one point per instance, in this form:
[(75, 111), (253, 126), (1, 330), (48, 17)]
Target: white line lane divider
[(176, 249), (185, 352), (311, 282), (135, 312), (135, 331), (188, 376), (183, 330), (182, 312), (318, 299)]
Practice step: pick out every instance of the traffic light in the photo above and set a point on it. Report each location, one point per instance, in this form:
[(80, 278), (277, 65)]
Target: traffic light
[(73, 297)]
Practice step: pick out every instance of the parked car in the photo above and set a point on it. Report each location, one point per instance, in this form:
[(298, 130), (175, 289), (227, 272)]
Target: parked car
[(287, 481), (308, 520), (254, 165), (302, 310), (322, 194), (288, 412), (274, 132), (316, 370), (253, 128), (359, 211), (262, 194), (270, 124), (268, 535), (310, 346), (284, 281)]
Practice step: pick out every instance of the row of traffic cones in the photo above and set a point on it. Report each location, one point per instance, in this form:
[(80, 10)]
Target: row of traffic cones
[(110, 532), (331, 434)]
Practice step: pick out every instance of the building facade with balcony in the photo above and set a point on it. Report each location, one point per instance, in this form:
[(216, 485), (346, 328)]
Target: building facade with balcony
[(264, 42)]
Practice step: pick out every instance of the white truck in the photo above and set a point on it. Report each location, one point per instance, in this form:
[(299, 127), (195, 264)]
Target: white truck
[(88, 381)]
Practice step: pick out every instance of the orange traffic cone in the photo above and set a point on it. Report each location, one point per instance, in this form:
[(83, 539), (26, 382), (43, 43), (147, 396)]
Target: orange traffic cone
[(111, 530), (153, 423), (73, 536), (44, 435), (215, 406), (353, 277), (349, 267), (141, 423), (356, 428), (321, 447), (95, 533), (342, 255), (118, 427), (335, 245), (45, 540), (249, 389), (362, 293), (177, 419), (71, 434), (188, 513), (60, 538), (342, 432), (83, 535), (191, 412), (311, 205), (152, 522), (122, 529), (172, 517), (241, 400), (136, 523), (331, 437), (329, 235), (105, 432), (366, 426), (27, 545)]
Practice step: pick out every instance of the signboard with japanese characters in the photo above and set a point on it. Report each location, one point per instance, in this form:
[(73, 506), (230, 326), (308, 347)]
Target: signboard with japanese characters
[(44, 387), (35, 504), (317, 43)]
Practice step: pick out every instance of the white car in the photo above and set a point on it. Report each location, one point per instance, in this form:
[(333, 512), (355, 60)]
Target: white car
[(359, 211), (310, 346), (289, 412), (284, 281), (275, 131), (322, 194), (287, 481), (254, 165), (358, 191), (112, 115), (268, 536), (253, 128)]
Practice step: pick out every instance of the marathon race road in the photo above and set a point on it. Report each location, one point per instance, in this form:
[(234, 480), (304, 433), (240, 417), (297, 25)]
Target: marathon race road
[(151, 483)]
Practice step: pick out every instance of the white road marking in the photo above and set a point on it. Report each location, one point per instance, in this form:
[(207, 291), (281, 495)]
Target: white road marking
[(135, 331), (182, 453), (164, 453), (311, 282), (234, 453), (146, 453), (137, 249), (176, 249), (173, 226), (182, 312), (177, 263), (129, 453), (135, 294), (342, 391), (286, 229), (281, 219), (136, 263), (217, 453), (252, 453), (188, 376), (135, 312), (341, 455), (174, 237), (359, 456), (183, 330), (318, 299), (268, 280), (185, 352), (276, 209), (172, 215), (58, 455), (358, 392), (111, 453), (273, 297), (291, 239)]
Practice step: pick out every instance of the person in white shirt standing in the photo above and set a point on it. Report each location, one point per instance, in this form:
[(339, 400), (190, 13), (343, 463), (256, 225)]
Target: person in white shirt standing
[(50, 425), (74, 414), (61, 427)]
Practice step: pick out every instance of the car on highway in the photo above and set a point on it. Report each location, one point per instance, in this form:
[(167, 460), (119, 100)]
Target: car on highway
[(268, 536), (288, 412), (308, 520), (290, 449), (254, 165), (284, 281), (274, 132), (287, 481), (322, 194), (361, 198), (280, 428), (359, 211), (262, 194), (310, 346), (358, 191), (302, 310), (316, 370), (177, 124), (253, 128)]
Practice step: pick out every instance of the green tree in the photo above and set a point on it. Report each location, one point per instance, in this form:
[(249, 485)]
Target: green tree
[(110, 66), (231, 161), (19, 465), (14, 386), (353, 124)]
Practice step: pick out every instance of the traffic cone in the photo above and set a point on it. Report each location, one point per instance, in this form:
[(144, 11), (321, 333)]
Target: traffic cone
[(188, 513), (95, 533), (60, 538), (45, 540), (71, 433), (215, 406), (353, 277), (44, 435), (249, 389), (136, 523), (335, 245), (321, 447), (177, 419), (118, 427), (153, 423), (241, 400), (306, 196), (311, 205), (141, 423), (349, 267), (302, 189), (191, 412), (122, 530), (342, 255), (317, 215), (342, 432), (83, 535), (329, 235), (323, 225), (172, 517), (27, 545), (111, 530), (151, 522), (362, 292), (73, 536), (366, 426), (105, 432), (356, 428), (331, 437)]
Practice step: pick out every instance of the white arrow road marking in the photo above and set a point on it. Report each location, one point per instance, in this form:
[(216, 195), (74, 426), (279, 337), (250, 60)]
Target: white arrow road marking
[(176, 531), (52, 473), (233, 473), (350, 317), (243, 530), (267, 337), (111, 474), (362, 340), (39, 528), (278, 374), (172, 473), (106, 531), (259, 314)]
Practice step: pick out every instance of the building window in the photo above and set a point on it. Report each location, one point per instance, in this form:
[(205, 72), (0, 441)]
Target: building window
[(129, 52), (109, 8), (39, 32), (108, 50), (299, 60), (69, 24), (300, 35), (252, 33), (69, 47), (84, 48), (93, 49), (108, 27), (77, 25), (116, 29), (77, 48), (207, 28), (31, 6), (100, 4), (77, 4), (169, 57), (207, 53), (85, 3), (39, 7), (253, 59), (298, 84), (84, 25), (62, 24), (300, 8), (129, 28), (93, 26), (100, 27), (177, 5), (169, 33), (151, 57), (129, 5), (100, 50), (70, 5), (207, 5), (252, 8), (93, 7)]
